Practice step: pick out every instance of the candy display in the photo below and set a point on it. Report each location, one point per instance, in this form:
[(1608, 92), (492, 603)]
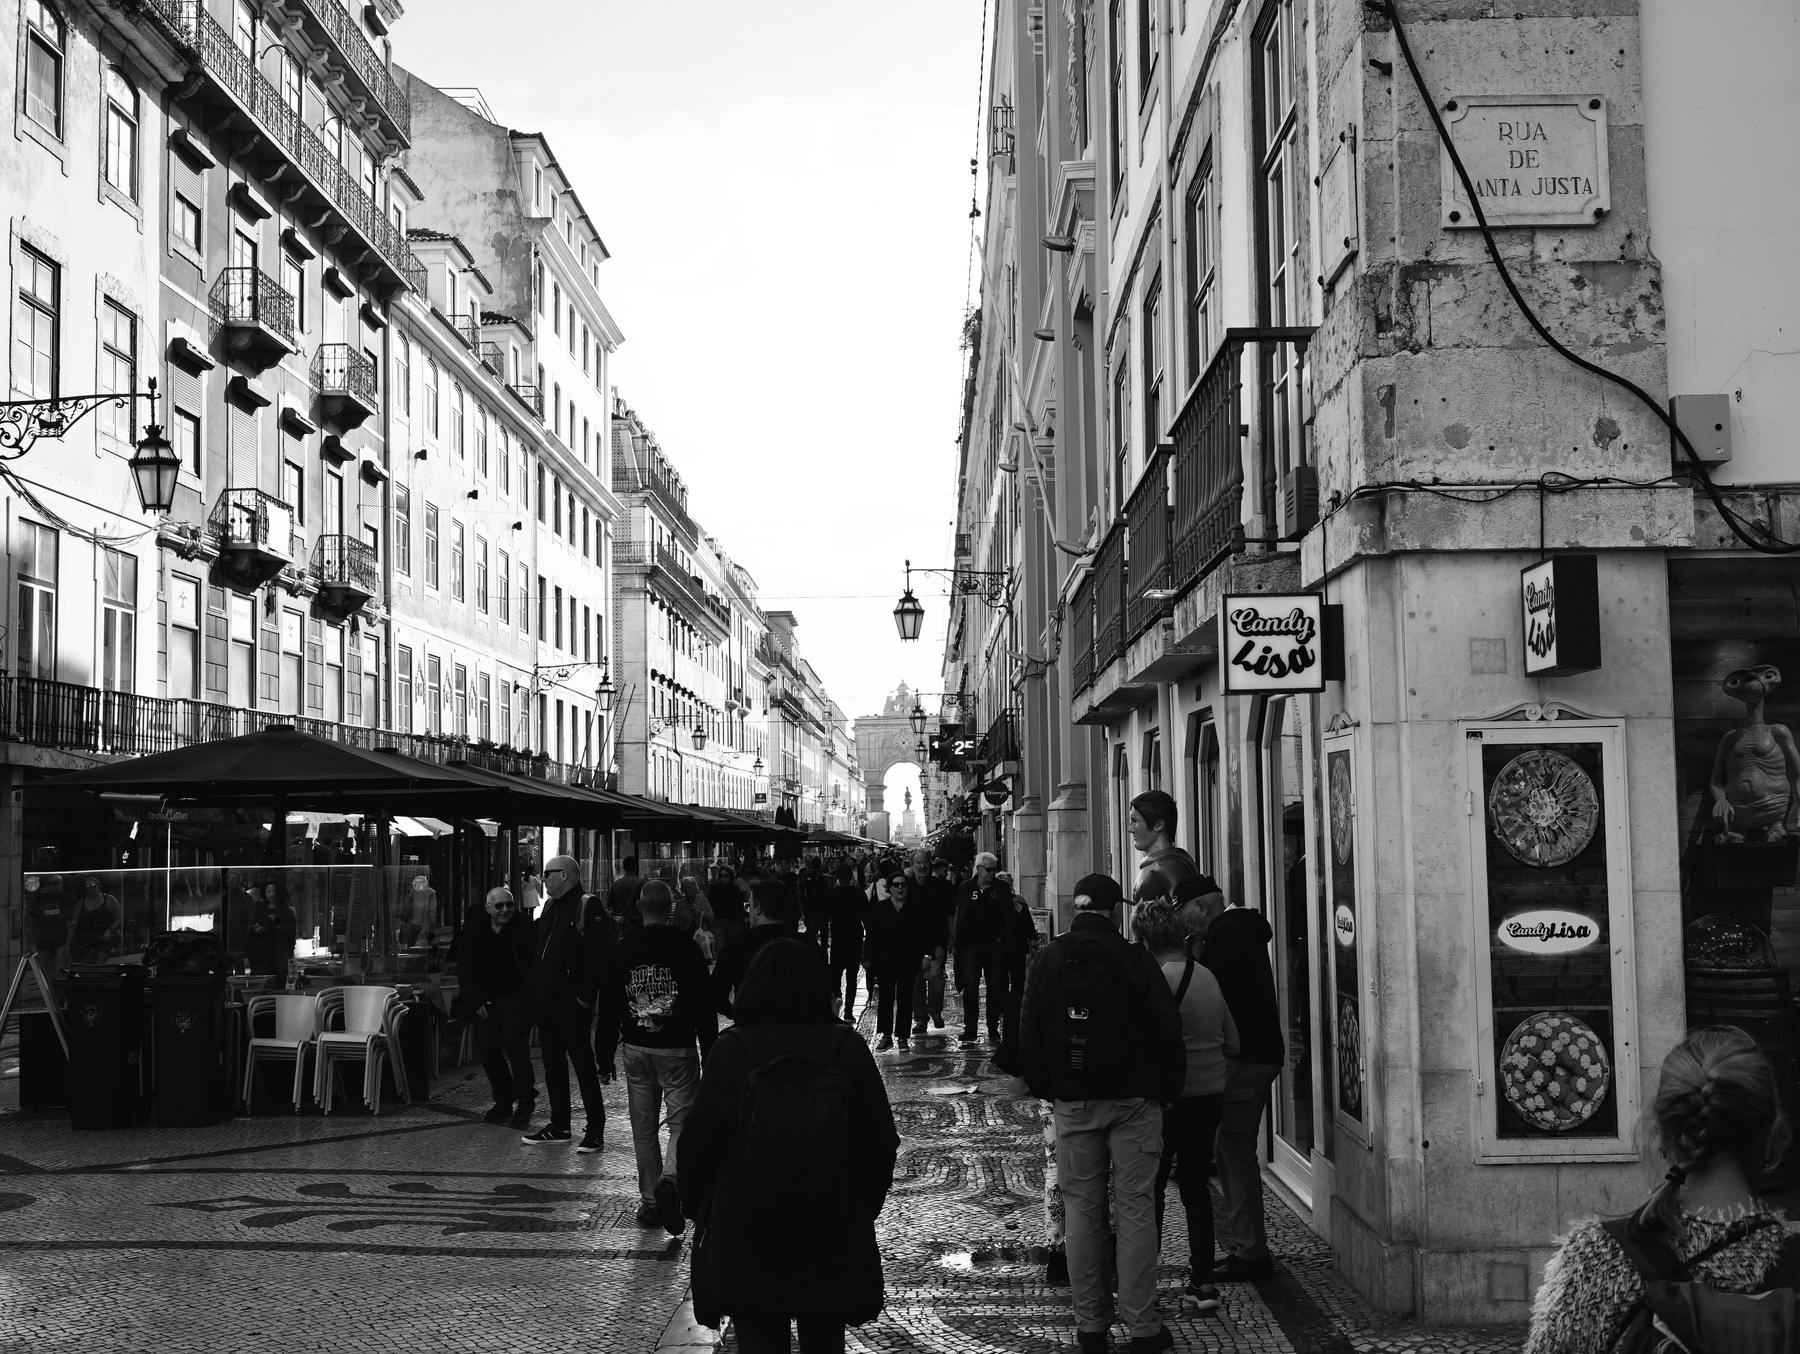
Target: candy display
[(1340, 808), (1719, 941), (1543, 808), (1349, 1058), (1555, 1072)]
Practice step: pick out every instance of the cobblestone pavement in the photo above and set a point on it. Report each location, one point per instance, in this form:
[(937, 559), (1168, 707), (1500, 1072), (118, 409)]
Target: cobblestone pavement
[(427, 1229)]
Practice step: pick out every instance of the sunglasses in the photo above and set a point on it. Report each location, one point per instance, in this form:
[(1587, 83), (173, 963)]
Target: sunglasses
[(503, 905)]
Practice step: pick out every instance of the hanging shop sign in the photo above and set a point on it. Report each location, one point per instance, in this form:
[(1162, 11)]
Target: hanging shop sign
[(1560, 598), (1535, 160), (1277, 643)]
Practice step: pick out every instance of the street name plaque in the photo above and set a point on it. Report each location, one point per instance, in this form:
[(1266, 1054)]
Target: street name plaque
[(1535, 160)]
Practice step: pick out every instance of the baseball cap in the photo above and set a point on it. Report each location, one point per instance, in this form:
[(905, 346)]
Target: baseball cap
[(1196, 886), (1101, 890)]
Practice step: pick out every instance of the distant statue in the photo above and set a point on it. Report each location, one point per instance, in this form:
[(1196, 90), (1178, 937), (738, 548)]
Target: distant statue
[(1756, 771), (900, 703), (908, 797)]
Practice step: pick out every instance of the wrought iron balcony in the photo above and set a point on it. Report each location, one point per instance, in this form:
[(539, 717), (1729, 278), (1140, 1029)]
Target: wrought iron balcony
[(492, 358), (256, 315), (1001, 743), (1081, 636), (1148, 517), (345, 379), (369, 76), (529, 396), (1109, 598), (347, 573), (255, 534), (289, 154), (468, 329)]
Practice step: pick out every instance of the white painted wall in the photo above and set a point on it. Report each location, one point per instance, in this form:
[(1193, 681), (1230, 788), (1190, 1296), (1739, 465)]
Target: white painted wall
[(1721, 121)]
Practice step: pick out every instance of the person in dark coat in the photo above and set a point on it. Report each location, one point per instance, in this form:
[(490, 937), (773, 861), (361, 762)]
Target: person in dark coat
[(1019, 938), (903, 942), (812, 1261), (273, 931), (978, 942), (845, 910), (774, 914), (727, 905), (493, 962), (573, 939)]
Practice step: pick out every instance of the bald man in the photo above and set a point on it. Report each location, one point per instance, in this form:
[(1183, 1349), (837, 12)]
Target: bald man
[(574, 937)]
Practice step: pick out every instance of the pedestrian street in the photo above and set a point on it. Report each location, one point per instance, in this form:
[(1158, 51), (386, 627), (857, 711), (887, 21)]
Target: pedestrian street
[(427, 1229)]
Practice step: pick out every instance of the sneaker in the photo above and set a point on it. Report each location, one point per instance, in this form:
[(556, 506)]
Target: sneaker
[(1202, 1295), (1151, 1344), (523, 1111), (903, 1045), (548, 1134), (668, 1206), (591, 1142), (1091, 1341), (648, 1214), (500, 1114), (883, 1044), (1242, 1269)]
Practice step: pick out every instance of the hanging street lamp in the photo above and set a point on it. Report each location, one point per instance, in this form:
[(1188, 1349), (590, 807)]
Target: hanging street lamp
[(917, 719), (993, 586), (606, 691), (699, 736), (155, 466), (908, 615)]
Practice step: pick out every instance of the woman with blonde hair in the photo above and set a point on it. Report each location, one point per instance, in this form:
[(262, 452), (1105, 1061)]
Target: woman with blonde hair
[(1718, 1122)]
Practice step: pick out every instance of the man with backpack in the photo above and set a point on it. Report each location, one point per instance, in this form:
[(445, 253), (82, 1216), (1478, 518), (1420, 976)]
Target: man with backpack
[(774, 915), (573, 938), (1100, 1038), (654, 998)]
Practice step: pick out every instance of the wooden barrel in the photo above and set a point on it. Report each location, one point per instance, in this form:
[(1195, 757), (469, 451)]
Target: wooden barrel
[(1759, 1002)]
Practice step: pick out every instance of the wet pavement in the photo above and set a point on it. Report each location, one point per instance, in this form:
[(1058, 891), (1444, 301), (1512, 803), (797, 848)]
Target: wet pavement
[(428, 1229)]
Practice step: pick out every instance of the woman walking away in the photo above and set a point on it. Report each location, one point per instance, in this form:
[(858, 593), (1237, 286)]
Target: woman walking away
[(1718, 1119), (1189, 1128), (786, 1160)]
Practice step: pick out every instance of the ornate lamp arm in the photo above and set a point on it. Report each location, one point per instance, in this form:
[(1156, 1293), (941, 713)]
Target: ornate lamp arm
[(23, 422)]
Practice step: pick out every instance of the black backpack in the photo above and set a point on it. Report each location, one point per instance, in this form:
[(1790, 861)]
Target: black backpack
[(1679, 1315), (795, 1170), (1096, 1020)]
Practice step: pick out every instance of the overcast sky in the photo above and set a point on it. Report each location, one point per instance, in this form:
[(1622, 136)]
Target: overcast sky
[(784, 189)]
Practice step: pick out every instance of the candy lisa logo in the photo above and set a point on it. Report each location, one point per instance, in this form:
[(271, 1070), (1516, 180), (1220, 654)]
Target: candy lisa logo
[(1549, 932), (1540, 617), (1345, 923), (1274, 646)]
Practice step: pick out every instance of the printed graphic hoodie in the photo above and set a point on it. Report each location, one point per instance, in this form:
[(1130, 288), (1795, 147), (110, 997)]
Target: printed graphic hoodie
[(655, 993)]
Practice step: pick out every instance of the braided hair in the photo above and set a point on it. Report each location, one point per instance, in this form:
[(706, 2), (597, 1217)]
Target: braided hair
[(1717, 1095)]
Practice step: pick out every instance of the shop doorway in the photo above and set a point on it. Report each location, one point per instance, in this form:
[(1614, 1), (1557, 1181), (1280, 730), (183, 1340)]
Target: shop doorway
[(1284, 867)]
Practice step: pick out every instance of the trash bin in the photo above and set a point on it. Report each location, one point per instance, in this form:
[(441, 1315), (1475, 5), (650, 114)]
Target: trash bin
[(103, 1012), (187, 1031), (43, 1067)]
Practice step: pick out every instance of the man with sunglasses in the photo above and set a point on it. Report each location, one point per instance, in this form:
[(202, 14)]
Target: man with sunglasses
[(493, 962), (574, 936), (901, 945)]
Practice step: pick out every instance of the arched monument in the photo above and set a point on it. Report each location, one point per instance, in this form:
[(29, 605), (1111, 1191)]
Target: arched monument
[(885, 741)]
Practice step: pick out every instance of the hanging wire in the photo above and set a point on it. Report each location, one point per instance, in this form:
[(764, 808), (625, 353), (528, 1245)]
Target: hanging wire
[(975, 161), (62, 523)]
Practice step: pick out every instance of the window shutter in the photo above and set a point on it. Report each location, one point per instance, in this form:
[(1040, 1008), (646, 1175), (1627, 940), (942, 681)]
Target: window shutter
[(315, 666), (218, 646), (241, 446), (270, 674), (353, 673), (184, 388)]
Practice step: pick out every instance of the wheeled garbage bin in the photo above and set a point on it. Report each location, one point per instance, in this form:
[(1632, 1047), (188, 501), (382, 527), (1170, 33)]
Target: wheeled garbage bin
[(103, 1012), (192, 1085)]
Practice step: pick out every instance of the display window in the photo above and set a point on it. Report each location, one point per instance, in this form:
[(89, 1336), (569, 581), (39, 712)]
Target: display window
[(1347, 1020)]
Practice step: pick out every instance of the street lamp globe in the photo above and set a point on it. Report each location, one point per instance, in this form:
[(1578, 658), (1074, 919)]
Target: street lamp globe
[(918, 720), (155, 467), (909, 616), (699, 737), (756, 767), (604, 693)]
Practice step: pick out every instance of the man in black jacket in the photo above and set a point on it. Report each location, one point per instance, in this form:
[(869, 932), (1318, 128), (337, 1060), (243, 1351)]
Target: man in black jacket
[(936, 908), (774, 912), (493, 960), (979, 945), (1100, 1038), (845, 910), (654, 999), (574, 935), (1236, 949)]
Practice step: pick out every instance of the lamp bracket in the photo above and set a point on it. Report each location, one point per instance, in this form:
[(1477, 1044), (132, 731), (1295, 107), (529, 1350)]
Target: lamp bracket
[(23, 422)]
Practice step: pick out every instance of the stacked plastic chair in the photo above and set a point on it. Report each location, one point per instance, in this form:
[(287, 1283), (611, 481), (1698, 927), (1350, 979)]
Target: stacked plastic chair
[(370, 1034), (298, 1019)]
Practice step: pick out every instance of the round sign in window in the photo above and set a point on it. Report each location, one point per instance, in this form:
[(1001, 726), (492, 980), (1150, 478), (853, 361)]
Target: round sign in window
[(1544, 808), (1555, 1071)]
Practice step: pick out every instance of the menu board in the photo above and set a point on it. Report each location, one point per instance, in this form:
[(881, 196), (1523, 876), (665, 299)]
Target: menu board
[(1553, 1056), (1347, 1039)]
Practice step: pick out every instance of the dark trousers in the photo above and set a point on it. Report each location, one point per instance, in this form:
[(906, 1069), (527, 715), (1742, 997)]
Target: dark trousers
[(894, 988), (769, 1335), (1189, 1128), (972, 966), (565, 1036), (843, 969), (504, 1037)]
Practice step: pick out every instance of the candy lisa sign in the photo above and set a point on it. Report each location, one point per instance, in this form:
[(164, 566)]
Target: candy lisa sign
[(1272, 642), (1560, 604)]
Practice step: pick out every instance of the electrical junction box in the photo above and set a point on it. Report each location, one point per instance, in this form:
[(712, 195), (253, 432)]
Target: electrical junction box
[(1706, 419)]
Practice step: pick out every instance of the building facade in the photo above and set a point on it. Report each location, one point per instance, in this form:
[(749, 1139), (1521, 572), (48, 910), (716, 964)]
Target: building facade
[(1246, 376)]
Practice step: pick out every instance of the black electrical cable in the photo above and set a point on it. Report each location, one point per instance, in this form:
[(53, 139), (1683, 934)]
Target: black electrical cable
[(1772, 546)]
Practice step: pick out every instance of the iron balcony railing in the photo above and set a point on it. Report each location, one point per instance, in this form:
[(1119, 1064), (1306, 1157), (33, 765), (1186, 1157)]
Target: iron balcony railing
[(365, 64), (492, 358), (468, 329), (341, 370), (49, 714), (345, 562), (1001, 743), (250, 296), (1110, 580), (1081, 635), (254, 520), (286, 133), (1208, 436), (1148, 517), (529, 396)]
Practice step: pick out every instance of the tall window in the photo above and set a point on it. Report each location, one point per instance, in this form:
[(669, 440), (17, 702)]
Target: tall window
[(293, 489), (543, 606), (456, 560), (403, 529), (121, 166), (1278, 221), (1153, 368), (36, 564), (403, 689), (484, 723), (460, 707), (185, 430), (556, 621), (434, 694), (431, 545), (481, 574), (333, 520), (525, 598), (118, 367), (481, 440), (431, 395), (556, 409), (36, 326), (456, 420), (505, 460), (44, 35), (1199, 265), (1149, 43), (402, 390), (184, 221), (1115, 103), (556, 501), (293, 282), (1121, 426), (556, 307), (506, 708), (540, 493)]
